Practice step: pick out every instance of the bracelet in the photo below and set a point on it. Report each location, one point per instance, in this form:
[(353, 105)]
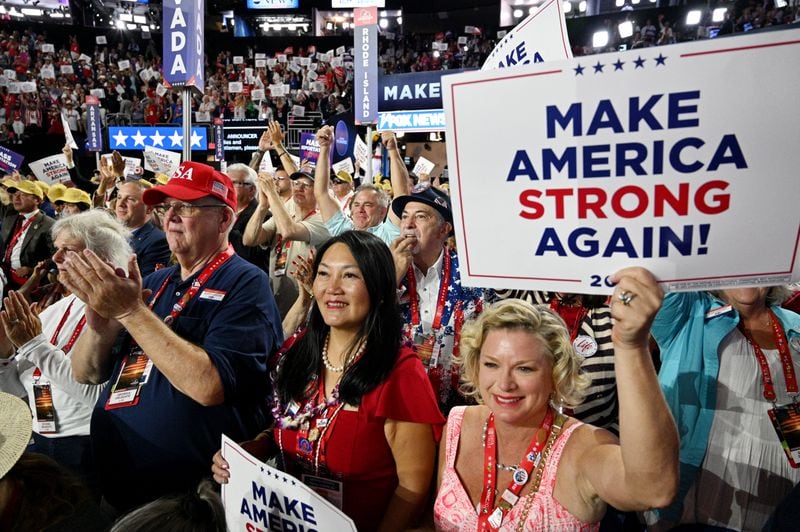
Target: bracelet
[(284, 153)]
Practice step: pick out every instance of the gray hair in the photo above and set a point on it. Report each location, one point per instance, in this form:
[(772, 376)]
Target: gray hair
[(101, 233), (383, 198), (201, 511), (249, 174)]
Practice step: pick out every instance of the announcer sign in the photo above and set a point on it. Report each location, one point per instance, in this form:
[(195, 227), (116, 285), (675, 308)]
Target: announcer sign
[(668, 158)]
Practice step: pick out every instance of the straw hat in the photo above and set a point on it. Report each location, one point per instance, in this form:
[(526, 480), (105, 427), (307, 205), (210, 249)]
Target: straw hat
[(15, 430)]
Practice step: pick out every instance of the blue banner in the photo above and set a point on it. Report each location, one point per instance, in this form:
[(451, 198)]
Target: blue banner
[(183, 42), (164, 137), (365, 104), (415, 90), (94, 130), (309, 149), (10, 161), (431, 120), (219, 140)]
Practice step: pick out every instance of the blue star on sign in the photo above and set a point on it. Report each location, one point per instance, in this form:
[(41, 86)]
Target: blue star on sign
[(598, 67), (639, 62), (578, 70), (660, 60), (618, 65)]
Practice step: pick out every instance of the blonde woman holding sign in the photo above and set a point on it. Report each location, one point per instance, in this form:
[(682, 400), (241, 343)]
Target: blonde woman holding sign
[(514, 462)]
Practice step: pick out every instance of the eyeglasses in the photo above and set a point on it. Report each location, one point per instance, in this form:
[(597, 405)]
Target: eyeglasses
[(184, 210), (242, 184), (298, 184)]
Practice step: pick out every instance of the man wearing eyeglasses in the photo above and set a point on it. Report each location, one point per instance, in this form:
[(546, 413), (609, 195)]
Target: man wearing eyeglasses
[(244, 181), (185, 363), (293, 230)]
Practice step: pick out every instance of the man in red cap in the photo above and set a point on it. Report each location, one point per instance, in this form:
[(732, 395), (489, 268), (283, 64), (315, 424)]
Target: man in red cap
[(190, 360)]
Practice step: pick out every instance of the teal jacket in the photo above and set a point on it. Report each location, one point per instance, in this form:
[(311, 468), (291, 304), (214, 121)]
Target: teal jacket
[(689, 329)]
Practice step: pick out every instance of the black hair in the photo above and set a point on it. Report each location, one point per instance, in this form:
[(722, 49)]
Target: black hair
[(382, 328)]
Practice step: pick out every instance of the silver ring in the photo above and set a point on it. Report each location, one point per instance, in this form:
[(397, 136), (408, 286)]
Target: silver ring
[(626, 297)]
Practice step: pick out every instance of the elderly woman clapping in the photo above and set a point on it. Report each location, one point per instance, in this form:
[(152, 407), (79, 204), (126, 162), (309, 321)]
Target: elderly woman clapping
[(38, 344)]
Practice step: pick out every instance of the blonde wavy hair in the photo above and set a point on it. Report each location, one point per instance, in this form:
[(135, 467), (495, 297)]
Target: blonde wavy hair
[(545, 325)]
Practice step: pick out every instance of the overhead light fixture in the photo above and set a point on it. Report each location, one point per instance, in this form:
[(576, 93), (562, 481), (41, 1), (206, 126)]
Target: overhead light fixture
[(32, 12), (582, 6), (517, 13), (619, 3), (399, 20), (693, 17), (600, 39), (635, 2), (383, 23), (625, 29), (718, 15), (567, 6)]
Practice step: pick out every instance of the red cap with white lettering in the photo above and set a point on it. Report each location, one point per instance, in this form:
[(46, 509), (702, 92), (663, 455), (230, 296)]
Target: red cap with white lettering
[(193, 181)]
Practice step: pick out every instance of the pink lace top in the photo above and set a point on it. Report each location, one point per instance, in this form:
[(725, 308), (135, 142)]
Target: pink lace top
[(453, 509)]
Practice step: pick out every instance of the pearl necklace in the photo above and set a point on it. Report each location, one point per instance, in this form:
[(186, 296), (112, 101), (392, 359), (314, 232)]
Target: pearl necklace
[(338, 369), (326, 362)]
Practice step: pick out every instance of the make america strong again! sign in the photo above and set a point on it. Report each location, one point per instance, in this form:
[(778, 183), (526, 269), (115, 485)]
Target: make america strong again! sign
[(668, 158)]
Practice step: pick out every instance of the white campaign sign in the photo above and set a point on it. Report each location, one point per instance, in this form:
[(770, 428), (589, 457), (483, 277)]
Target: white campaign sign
[(541, 37), (631, 158), (266, 165), (361, 152), (161, 161), (423, 166), (260, 497), (346, 165), (51, 169)]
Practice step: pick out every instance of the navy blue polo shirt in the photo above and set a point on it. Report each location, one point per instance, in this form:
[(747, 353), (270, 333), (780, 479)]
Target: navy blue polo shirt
[(165, 443)]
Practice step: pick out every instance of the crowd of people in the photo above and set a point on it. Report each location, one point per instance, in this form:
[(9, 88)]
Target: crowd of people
[(322, 323)]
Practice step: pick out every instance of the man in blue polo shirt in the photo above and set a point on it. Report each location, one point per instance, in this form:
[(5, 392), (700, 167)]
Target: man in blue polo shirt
[(185, 363), (370, 204)]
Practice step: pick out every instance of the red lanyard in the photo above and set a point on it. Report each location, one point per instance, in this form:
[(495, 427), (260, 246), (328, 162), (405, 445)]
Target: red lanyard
[(15, 237), (441, 300), (786, 359), (198, 283), (491, 520), (75, 333), (573, 316)]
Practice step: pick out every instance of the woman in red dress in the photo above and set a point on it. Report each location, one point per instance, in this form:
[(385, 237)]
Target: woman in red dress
[(353, 411)]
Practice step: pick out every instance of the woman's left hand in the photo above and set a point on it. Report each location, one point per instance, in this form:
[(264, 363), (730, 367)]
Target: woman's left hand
[(20, 323), (634, 303)]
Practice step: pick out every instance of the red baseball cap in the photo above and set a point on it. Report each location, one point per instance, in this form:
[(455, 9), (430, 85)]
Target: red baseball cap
[(193, 181)]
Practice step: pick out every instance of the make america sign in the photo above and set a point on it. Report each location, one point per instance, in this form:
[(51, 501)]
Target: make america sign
[(646, 157)]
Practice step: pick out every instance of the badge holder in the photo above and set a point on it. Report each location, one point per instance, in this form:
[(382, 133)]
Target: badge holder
[(133, 375), (331, 490), (43, 400), (786, 421)]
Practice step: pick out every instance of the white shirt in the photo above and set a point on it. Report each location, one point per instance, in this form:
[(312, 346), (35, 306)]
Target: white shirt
[(73, 402), (428, 291), (17, 251)]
